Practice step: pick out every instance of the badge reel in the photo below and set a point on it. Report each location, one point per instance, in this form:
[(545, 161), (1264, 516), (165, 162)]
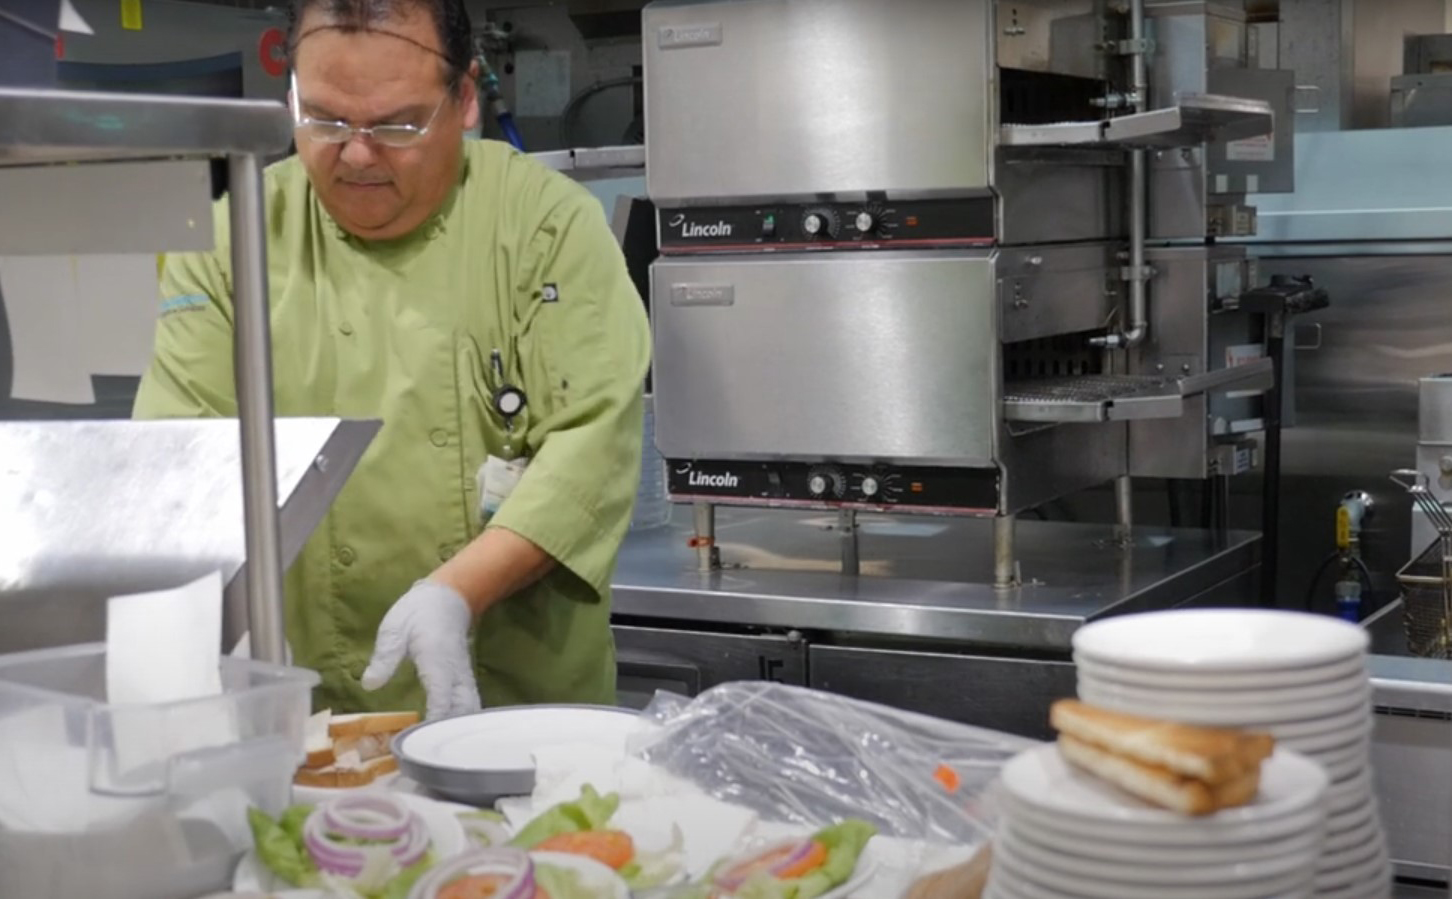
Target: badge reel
[(498, 477)]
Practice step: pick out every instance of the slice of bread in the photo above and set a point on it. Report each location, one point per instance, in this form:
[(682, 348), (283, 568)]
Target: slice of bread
[(966, 881), (366, 723), (347, 773), (1158, 785), (1214, 756), (316, 742)]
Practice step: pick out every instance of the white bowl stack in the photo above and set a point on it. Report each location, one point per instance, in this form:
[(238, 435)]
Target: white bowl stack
[(1302, 678), (1065, 834)]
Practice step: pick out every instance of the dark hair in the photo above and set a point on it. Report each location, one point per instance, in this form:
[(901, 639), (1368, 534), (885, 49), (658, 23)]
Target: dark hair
[(450, 18)]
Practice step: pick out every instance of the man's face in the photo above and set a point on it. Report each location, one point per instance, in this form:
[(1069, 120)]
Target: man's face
[(370, 78)]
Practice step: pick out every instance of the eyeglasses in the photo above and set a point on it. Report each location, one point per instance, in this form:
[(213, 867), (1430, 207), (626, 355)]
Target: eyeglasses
[(324, 131)]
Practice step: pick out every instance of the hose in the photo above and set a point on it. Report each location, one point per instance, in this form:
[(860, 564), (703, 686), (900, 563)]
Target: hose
[(1310, 602), (572, 109)]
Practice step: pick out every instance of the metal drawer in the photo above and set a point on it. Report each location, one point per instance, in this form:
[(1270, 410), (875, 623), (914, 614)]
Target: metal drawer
[(689, 662), (1011, 695)]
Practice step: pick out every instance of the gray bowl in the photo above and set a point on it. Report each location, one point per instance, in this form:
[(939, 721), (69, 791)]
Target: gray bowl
[(480, 787)]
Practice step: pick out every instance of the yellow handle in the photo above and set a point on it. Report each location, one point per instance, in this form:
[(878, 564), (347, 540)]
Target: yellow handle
[(1343, 528)]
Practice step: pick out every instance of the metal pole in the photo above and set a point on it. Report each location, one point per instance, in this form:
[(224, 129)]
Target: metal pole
[(1124, 507), (847, 525), (1005, 568), (708, 556), (1138, 274), (252, 369)]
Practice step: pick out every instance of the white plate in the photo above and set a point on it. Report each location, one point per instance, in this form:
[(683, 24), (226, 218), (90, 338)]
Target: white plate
[(446, 836), (1040, 777), (1342, 726), (1333, 739), (1294, 683), (1075, 842), (302, 795), (1344, 761), (1352, 860), (598, 878), (1373, 869), (1348, 796), (1150, 837), (507, 739), (1247, 706), (1348, 833), (1052, 884), (1151, 872), (1242, 640)]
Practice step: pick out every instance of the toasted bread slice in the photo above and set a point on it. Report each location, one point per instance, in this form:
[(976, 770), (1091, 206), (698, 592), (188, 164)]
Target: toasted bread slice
[(366, 723), (1160, 786), (1212, 755), (366, 747), (346, 776), (316, 742), (966, 881)]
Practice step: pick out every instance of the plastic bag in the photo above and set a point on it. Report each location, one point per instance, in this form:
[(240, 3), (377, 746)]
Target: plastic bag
[(806, 757)]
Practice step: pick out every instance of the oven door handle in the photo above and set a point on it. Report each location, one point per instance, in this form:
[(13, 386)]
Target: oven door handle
[(658, 666)]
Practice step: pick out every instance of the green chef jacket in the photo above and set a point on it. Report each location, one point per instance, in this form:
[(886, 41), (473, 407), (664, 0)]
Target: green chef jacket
[(519, 259)]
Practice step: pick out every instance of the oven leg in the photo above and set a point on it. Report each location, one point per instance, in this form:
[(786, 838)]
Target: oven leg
[(1123, 509), (847, 527), (1005, 567), (708, 554)]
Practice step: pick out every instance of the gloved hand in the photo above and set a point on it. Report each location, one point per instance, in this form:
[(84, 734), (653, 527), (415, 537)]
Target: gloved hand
[(430, 624)]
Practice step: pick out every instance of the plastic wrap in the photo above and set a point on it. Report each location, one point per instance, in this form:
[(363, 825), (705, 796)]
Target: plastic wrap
[(804, 757)]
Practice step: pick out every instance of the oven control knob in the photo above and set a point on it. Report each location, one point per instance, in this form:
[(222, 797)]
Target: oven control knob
[(826, 483), (820, 224), (866, 222), (870, 487)]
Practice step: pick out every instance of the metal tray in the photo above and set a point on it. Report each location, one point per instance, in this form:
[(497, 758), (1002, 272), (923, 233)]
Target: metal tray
[(509, 736), (1099, 398), (1195, 119)]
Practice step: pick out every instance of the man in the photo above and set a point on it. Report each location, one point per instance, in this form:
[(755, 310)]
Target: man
[(477, 303)]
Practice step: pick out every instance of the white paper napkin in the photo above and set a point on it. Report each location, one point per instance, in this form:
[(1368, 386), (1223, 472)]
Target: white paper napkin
[(165, 646)]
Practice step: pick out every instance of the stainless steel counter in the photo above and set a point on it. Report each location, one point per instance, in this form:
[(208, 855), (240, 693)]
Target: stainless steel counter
[(924, 578)]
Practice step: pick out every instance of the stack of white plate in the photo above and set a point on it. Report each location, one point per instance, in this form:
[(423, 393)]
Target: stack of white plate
[(1302, 678), (1065, 834)]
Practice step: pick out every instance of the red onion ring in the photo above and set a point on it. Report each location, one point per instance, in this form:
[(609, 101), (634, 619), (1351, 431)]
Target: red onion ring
[(735, 876), (368, 818), (364, 818), (512, 863)]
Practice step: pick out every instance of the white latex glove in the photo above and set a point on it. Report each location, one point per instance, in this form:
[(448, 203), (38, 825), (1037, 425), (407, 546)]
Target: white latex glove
[(429, 624)]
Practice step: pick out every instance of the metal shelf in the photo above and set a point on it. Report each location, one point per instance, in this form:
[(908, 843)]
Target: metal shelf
[(1195, 119), (1099, 398), (41, 128)]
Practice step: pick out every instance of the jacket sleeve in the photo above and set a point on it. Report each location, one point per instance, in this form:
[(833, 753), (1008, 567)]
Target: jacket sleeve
[(584, 348), (190, 375)]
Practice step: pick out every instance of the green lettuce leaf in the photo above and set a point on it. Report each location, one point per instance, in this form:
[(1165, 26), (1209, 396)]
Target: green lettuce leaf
[(285, 857), (399, 887), (844, 843), (590, 812), (562, 883), (293, 820)]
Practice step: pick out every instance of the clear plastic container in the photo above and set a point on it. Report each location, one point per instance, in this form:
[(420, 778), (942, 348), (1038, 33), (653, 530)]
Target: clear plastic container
[(137, 801), (652, 505)]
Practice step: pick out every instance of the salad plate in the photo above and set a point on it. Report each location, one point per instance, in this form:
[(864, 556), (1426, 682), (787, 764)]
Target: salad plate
[(446, 838)]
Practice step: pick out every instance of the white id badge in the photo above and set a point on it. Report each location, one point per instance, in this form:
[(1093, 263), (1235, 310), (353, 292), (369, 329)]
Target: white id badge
[(497, 479)]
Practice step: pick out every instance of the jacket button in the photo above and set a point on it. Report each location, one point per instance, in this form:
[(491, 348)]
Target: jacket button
[(439, 437), (446, 552), (346, 328), (346, 556)]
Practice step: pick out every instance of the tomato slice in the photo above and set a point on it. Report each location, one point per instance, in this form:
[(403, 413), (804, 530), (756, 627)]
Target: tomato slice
[(815, 857), (612, 848), (771, 862), (476, 886)]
